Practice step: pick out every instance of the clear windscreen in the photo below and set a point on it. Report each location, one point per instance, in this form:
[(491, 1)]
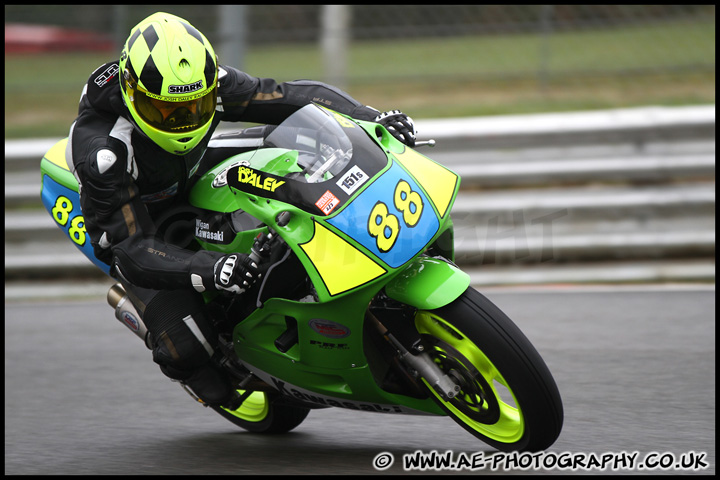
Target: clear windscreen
[(317, 159), (324, 148)]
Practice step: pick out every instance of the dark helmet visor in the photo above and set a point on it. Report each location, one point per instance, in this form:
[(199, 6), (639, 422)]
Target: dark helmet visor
[(172, 116)]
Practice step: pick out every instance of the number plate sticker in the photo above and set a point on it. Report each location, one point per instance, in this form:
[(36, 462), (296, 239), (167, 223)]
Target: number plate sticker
[(392, 218), (63, 205), (352, 180)]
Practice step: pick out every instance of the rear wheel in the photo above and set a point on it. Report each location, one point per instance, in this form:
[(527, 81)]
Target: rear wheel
[(261, 413), (508, 397)]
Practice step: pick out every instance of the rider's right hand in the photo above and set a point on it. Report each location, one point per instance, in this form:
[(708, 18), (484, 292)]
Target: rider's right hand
[(399, 125), (235, 273)]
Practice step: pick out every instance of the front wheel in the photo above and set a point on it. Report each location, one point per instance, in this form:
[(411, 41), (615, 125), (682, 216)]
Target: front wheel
[(508, 397), (260, 413)]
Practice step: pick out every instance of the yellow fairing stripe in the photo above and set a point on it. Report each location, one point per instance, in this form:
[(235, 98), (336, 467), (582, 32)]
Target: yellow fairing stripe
[(438, 181), (56, 154), (341, 266)]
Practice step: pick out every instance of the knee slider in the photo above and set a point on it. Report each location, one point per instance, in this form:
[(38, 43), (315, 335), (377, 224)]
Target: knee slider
[(184, 338)]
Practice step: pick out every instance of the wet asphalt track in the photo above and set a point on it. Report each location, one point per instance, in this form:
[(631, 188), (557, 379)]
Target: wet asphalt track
[(635, 367)]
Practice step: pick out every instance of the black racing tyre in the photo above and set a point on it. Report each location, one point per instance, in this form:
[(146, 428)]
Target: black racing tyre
[(259, 413), (508, 397)]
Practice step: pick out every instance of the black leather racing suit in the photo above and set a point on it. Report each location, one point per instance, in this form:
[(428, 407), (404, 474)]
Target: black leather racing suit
[(128, 186)]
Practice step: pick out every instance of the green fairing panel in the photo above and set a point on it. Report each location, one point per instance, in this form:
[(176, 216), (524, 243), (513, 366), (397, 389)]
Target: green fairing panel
[(428, 283), (224, 199)]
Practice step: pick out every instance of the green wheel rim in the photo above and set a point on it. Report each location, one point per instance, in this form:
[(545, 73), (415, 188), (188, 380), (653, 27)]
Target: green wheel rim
[(510, 426), (254, 409)]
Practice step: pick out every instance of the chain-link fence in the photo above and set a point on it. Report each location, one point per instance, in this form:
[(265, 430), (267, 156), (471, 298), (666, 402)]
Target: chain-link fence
[(438, 49)]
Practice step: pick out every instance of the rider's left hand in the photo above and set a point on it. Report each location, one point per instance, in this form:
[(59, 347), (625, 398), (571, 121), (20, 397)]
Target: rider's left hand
[(399, 125)]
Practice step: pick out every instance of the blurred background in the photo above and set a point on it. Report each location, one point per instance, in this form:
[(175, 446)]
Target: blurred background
[(584, 133), (430, 60)]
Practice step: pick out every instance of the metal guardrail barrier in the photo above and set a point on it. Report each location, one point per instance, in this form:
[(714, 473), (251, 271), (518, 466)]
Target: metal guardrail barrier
[(629, 124), (644, 213)]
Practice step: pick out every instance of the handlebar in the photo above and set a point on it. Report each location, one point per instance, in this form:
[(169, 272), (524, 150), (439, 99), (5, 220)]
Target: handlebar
[(265, 251)]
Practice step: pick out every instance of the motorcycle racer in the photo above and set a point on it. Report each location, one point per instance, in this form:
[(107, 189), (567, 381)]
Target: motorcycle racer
[(141, 139)]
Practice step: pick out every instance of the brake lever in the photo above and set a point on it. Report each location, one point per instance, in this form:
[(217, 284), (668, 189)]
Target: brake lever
[(267, 249)]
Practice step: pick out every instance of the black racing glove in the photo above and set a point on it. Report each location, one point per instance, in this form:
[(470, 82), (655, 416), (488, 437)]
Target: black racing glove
[(235, 273), (399, 125)]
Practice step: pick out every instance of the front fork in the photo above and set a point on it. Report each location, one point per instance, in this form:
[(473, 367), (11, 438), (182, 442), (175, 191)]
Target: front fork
[(419, 362), (426, 284)]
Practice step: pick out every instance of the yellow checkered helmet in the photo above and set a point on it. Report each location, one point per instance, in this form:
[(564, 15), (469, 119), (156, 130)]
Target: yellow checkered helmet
[(169, 81)]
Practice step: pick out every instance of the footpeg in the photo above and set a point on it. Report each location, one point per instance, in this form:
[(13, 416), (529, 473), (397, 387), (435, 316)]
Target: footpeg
[(191, 393)]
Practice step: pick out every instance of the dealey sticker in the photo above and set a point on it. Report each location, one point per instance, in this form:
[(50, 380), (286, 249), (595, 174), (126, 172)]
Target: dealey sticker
[(328, 328), (250, 176)]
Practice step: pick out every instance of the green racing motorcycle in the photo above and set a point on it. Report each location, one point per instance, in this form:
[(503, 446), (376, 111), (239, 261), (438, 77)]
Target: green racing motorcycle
[(360, 305)]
